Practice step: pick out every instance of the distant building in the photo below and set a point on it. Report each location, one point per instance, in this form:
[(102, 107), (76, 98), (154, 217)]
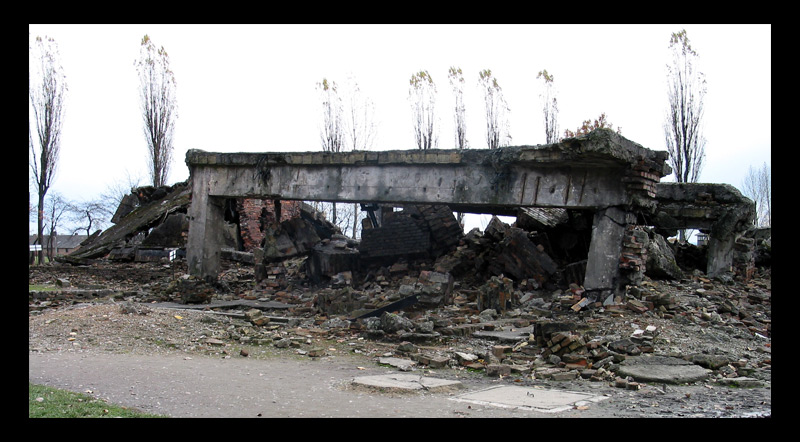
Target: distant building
[(64, 244)]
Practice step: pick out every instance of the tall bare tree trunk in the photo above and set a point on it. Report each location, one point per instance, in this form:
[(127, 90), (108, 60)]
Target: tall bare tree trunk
[(46, 88), (682, 128), (159, 108)]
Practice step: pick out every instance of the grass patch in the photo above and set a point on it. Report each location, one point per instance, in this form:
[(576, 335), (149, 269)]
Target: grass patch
[(41, 288), (51, 402)]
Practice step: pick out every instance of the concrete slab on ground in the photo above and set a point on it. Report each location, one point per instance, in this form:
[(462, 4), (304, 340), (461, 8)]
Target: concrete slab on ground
[(408, 382), (662, 369), (535, 399), (510, 335)]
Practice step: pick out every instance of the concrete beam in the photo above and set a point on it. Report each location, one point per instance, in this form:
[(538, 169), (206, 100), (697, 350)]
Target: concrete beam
[(585, 172), (475, 186)]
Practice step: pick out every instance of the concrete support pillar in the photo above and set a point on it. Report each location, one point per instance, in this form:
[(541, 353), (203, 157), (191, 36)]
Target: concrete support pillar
[(720, 255), (206, 221), (602, 269)]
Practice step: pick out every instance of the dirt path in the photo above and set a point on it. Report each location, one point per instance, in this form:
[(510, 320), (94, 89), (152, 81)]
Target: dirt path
[(203, 386)]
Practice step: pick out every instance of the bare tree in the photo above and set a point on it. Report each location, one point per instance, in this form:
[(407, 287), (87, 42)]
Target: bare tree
[(456, 77), (457, 83), (682, 129), (497, 126), (360, 126), (757, 186), (56, 207), (47, 88), (88, 215), (359, 117), (422, 94), (549, 107), (159, 107), (332, 131), (119, 189), (345, 216)]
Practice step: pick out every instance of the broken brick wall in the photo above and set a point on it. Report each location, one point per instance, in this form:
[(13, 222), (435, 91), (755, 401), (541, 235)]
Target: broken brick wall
[(642, 179), (744, 258), (399, 235), (418, 230), (633, 258), (255, 215), (445, 230)]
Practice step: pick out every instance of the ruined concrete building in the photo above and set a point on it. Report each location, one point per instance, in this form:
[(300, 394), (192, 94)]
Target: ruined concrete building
[(612, 181), (590, 210)]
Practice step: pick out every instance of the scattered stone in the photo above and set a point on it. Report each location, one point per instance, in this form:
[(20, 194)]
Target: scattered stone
[(131, 308), (193, 291), (497, 294), (316, 352), (256, 317), (398, 363), (334, 323), (498, 370), (407, 347), (393, 323), (434, 287), (626, 346), (742, 382), (465, 358), (501, 351), (283, 343), (564, 375), (431, 361), (712, 362)]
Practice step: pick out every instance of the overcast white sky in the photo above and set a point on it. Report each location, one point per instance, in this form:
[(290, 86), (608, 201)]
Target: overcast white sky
[(252, 87)]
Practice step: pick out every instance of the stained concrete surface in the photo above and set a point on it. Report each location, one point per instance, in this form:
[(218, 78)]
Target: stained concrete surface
[(533, 399), (407, 382), (662, 369)]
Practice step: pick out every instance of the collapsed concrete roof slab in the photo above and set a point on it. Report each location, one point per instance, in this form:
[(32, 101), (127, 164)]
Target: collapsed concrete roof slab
[(600, 171), (141, 218), (718, 209)]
